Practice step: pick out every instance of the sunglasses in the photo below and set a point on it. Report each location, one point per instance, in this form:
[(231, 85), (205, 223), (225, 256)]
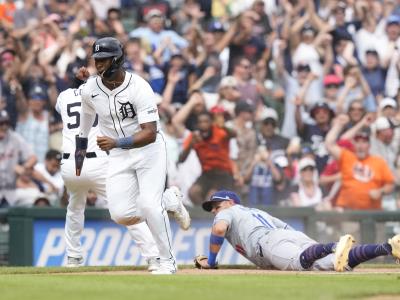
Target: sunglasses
[(356, 109), (330, 86)]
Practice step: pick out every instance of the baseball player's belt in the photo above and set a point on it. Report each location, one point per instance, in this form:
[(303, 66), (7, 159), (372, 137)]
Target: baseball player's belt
[(88, 155)]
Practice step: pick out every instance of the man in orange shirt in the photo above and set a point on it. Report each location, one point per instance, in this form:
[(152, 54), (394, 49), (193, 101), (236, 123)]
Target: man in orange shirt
[(365, 178), (211, 144)]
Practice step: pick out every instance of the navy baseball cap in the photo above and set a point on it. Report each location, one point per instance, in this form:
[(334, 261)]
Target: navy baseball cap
[(221, 195)]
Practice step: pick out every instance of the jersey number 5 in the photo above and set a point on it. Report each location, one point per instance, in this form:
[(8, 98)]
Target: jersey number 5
[(75, 114)]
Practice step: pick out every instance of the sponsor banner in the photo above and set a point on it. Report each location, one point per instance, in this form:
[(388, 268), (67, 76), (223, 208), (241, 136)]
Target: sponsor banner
[(105, 243)]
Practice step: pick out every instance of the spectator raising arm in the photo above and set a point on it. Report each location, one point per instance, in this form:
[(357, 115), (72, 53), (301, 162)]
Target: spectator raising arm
[(330, 140)]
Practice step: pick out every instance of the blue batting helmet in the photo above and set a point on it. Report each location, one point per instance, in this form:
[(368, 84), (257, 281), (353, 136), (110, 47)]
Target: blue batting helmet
[(221, 195)]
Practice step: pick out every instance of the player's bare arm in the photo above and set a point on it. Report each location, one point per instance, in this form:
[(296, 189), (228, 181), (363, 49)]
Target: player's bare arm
[(217, 238), (194, 138), (144, 137)]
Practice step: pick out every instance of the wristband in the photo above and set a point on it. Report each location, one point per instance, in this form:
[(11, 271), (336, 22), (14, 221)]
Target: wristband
[(125, 142), (216, 239)]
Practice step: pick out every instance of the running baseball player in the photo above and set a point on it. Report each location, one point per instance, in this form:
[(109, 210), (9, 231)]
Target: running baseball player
[(128, 118), (93, 177), (269, 243)]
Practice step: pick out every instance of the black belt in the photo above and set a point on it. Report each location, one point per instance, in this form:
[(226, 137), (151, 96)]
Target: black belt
[(88, 155)]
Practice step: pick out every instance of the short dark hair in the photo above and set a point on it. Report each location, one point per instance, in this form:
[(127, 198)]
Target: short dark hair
[(53, 154)]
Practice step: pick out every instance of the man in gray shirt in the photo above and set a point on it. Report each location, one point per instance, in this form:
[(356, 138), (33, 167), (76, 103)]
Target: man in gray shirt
[(269, 242), (15, 154)]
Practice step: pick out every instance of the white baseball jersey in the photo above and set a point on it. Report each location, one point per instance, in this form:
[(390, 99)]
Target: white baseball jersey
[(69, 107), (121, 110)]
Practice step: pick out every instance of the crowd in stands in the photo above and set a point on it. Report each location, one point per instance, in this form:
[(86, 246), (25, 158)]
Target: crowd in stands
[(287, 102)]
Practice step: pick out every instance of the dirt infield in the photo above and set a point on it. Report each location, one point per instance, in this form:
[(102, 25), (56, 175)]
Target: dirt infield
[(243, 272)]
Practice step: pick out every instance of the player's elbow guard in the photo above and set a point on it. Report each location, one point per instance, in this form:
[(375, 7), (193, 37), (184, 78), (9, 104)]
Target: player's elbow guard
[(80, 153)]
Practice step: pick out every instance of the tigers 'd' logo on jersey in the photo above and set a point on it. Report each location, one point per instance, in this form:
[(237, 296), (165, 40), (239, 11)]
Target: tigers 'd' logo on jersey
[(126, 110)]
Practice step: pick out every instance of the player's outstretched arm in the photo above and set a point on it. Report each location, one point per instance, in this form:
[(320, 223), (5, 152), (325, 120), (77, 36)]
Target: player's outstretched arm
[(217, 238)]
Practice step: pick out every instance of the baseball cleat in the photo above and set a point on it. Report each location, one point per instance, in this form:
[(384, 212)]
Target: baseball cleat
[(153, 264), (179, 212), (163, 272), (395, 243), (74, 262), (342, 250), (165, 268)]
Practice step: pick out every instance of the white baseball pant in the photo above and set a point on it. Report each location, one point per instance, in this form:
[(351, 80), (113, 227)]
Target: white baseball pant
[(93, 177), (135, 186)]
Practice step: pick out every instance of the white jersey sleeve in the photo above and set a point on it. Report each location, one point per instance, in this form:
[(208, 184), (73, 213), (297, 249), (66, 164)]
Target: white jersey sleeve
[(145, 100), (88, 113), (69, 107)]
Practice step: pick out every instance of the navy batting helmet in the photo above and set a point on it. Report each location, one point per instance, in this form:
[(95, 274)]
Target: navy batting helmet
[(109, 47)]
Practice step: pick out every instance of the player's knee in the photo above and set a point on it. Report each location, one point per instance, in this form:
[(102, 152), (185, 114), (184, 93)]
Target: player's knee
[(124, 219)]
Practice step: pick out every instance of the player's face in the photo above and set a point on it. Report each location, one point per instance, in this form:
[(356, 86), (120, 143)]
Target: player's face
[(204, 123), (361, 148), (102, 64), (53, 166), (220, 205)]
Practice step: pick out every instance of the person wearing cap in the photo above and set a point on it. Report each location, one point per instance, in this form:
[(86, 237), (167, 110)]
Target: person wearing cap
[(315, 133), (15, 153), (270, 243), (332, 84), (365, 177), (163, 42), (388, 108), (308, 191), (293, 86), (228, 93), (374, 73), (268, 132), (145, 7), (33, 124)]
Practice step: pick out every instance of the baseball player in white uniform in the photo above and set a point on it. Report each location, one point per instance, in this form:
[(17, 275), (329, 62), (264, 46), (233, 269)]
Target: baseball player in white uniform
[(128, 118), (269, 242), (93, 177)]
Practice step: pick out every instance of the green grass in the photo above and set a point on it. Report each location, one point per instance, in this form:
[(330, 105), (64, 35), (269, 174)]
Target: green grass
[(49, 284)]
